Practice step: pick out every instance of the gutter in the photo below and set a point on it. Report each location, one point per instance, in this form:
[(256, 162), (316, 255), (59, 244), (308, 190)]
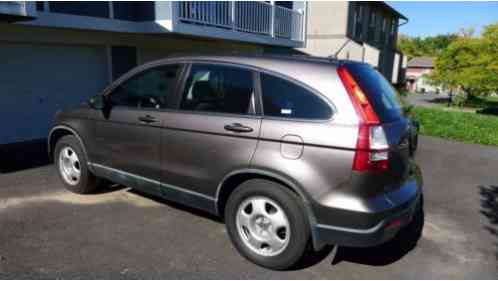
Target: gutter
[(403, 23)]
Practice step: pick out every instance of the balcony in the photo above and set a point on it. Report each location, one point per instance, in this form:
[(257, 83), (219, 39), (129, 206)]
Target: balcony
[(246, 21)]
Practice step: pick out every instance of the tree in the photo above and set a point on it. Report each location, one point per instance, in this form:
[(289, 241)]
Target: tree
[(469, 64), (435, 45), (490, 41), (410, 46), (429, 46), (457, 66)]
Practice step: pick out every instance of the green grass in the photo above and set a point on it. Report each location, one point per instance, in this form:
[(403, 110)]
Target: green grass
[(461, 126)]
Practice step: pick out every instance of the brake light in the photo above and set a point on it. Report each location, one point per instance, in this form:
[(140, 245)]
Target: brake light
[(360, 101), (372, 147)]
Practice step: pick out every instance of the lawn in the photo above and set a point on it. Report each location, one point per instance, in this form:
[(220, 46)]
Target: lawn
[(460, 126)]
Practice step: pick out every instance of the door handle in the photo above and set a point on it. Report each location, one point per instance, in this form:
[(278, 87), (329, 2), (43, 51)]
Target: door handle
[(147, 119), (238, 128)]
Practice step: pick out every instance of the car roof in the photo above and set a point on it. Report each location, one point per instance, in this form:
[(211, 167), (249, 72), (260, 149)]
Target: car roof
[(306, 69), (257, 58), (263, 61)]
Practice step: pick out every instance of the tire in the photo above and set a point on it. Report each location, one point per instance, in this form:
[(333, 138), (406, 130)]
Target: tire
[(279, 200), (72, 167)]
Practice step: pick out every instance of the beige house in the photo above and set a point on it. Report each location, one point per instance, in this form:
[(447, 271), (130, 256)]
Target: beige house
[(361, 31)]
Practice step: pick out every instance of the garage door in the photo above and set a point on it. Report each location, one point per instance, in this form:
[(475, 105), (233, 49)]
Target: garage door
[(38, 80)]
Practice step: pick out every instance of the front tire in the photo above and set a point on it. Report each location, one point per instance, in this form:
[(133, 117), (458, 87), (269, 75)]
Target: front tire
[(267, 225), (72, 166)]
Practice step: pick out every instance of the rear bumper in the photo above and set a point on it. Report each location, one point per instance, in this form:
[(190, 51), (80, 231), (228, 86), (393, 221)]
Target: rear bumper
[(380, 233), (383, 217)]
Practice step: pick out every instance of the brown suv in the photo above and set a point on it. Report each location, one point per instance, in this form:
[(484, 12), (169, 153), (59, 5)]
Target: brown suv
[(290, 151)]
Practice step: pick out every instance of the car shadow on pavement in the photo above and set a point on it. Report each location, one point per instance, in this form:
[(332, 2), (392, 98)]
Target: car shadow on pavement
[(106, 186), (489, 209), (22, 156), (178, 206), (309, 260), (381, 255)]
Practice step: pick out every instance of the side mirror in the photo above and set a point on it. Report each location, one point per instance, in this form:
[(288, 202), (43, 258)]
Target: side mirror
[(97, 102)]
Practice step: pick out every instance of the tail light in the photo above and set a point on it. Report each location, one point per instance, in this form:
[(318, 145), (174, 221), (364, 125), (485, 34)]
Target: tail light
[(372, 149)]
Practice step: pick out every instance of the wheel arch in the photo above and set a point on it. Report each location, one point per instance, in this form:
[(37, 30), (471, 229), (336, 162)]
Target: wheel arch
[(57, 133), (232, 180)]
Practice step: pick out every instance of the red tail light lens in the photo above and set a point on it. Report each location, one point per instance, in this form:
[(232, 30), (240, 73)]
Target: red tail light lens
[(371, 155), (360, 101), (371, 148)]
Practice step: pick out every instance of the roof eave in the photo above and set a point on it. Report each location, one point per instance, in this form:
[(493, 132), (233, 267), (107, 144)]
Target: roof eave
[(400, 15)]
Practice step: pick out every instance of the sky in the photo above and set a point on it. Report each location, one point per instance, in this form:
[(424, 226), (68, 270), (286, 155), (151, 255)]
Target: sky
[(432, 18)]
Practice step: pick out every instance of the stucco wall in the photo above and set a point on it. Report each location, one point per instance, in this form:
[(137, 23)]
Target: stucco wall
[(327, 18), (371, 55), (147, 53)]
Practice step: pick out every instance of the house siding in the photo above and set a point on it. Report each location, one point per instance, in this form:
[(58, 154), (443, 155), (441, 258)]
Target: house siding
[(345, 30)]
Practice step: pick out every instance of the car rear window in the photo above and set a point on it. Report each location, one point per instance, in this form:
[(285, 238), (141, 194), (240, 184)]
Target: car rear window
[(379, 91), (282, 98)]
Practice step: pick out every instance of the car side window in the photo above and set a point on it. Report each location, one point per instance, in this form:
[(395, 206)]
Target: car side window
[(282, 98), (214, 88), (149, 89)]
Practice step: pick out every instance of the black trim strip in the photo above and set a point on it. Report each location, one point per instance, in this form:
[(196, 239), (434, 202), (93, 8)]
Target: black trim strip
[(175, 188)]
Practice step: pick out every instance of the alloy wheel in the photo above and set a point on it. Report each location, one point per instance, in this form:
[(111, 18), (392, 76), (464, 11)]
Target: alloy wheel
[(69, 166), (263, 226)]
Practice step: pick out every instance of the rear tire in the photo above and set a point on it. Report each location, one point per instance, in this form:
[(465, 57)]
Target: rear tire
[(276, 232), (72, 166)]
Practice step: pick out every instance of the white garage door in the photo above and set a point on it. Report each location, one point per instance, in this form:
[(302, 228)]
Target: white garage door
[(38, 80)]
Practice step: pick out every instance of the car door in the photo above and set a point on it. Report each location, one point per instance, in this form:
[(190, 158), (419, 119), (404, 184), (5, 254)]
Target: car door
[(128, 133), (213, 131)]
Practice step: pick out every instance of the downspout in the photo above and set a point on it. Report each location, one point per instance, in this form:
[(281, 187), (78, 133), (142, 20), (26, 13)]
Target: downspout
[(401, 57)]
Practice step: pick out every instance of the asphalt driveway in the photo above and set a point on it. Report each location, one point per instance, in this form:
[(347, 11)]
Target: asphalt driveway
[(46, 232), (427, 99)]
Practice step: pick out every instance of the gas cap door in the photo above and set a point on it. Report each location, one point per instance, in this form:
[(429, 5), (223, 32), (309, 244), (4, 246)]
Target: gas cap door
[(291, 146)]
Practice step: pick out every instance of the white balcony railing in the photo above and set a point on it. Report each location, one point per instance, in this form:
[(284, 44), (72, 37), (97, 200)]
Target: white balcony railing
[(288, 23), (245, 16), (252, 16), (209, 13)]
